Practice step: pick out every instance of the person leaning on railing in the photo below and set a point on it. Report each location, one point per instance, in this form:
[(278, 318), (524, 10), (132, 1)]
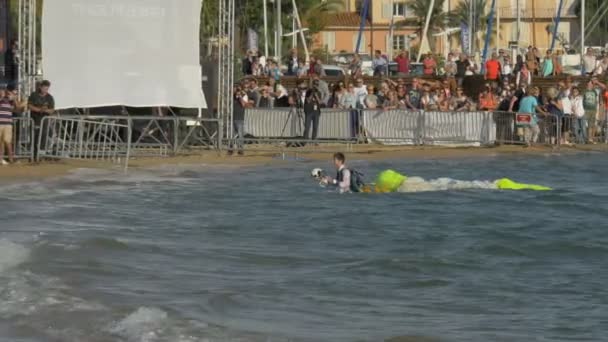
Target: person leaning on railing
[(6, 127), (41, 103)]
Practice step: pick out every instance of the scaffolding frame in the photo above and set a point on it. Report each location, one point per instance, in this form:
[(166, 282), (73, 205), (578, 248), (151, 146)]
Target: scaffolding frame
[(226, 60), (27, 55)]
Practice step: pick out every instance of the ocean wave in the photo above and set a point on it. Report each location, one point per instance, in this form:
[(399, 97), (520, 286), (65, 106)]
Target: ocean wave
[(418, 184), (12, 255), (144, 324)]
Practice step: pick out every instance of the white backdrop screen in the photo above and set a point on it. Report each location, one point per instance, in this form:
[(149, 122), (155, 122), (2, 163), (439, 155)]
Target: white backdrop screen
[(122, 52)]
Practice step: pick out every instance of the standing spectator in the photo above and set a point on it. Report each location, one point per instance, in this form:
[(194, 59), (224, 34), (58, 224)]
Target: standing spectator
[(589, 62), (301, 71), (502, 57), (240, 102), (401, 95), (41, 103), (524, 76), (548, 67), (429, 64), (578, 110), (451, 69), (557, 64), (403, 63), (530, 105), (519, 63), (336, 96), (531, 60), (507, 69), (413, 96), (349, 101), (383, 92), (360, 92), (462, 65), (292, 63), (279, 93), (248, 63), (591, 106), (355, 66), (518, 95), (311, 65), (274, 70), (252, 90), (461, 102), (319, 68), (487, 99), (390, 102), (323, 89), (265, 100), (11, 64), (446, 90), (380, 64), (371, 100), (493, 68), (6, 127), (602, 67), (312, 112), (566, 104)]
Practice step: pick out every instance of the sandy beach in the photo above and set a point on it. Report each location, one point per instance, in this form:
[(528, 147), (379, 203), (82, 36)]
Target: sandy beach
[(51, 169)]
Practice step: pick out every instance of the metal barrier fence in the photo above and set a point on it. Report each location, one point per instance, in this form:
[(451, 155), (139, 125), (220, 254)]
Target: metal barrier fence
[(585, 129), (517, 128), (289, 122), (23, 138), (402, 127), (77, 138), (162, 136)]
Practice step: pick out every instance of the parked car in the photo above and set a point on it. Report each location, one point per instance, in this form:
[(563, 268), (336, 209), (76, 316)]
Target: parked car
[(344, 59), (330, 70)]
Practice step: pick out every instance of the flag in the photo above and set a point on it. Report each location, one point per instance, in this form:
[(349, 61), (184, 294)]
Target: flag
[(464, 37)]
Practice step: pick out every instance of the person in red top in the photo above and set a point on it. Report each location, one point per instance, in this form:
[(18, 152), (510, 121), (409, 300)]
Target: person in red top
[(311, 66), (403, 63), (429, 64), (493, 68)]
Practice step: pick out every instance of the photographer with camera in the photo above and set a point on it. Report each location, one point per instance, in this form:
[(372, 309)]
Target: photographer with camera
[(312, 110), (240, 102)]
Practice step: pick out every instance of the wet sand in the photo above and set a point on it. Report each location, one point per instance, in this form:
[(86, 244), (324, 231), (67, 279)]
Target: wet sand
[(51, 169)]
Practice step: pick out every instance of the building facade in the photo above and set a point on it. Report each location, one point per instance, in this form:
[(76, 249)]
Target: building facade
[(342, 32), (536, 18)]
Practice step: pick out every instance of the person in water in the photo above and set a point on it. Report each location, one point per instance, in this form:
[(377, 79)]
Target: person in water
[(343, 177)]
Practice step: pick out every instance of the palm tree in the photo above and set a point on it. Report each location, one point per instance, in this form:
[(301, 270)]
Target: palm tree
[(460, 15), (420, 9), (315, 13)]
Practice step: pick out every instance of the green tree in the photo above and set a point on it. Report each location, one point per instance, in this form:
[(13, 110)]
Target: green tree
[(480, 20), (420, 8)]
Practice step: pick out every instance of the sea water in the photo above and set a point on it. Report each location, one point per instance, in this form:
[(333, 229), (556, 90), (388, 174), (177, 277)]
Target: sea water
[(201, 253)]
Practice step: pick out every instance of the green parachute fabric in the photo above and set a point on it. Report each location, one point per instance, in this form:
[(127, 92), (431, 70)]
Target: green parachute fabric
[(507, 184), (389, 181)]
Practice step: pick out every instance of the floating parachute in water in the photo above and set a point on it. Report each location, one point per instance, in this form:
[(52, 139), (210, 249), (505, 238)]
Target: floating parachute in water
[(507, 184), (391, 181)]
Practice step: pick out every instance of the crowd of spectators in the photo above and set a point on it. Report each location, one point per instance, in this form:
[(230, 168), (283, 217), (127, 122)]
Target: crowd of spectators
[(507, 85)]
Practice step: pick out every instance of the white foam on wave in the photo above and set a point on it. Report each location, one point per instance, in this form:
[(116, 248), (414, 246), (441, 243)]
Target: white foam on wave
[(418, 184), (144, 324), (12, 254)]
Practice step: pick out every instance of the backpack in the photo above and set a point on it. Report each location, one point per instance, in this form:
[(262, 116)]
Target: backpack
[(356, 180)]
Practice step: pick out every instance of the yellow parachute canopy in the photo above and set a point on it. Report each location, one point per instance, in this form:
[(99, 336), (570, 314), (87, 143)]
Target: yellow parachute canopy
[(389, 181), (507, 184)]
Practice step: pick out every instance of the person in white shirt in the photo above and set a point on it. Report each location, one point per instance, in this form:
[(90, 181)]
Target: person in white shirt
[(360, 91), (578, 110), (589, 62), (343, 177)]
